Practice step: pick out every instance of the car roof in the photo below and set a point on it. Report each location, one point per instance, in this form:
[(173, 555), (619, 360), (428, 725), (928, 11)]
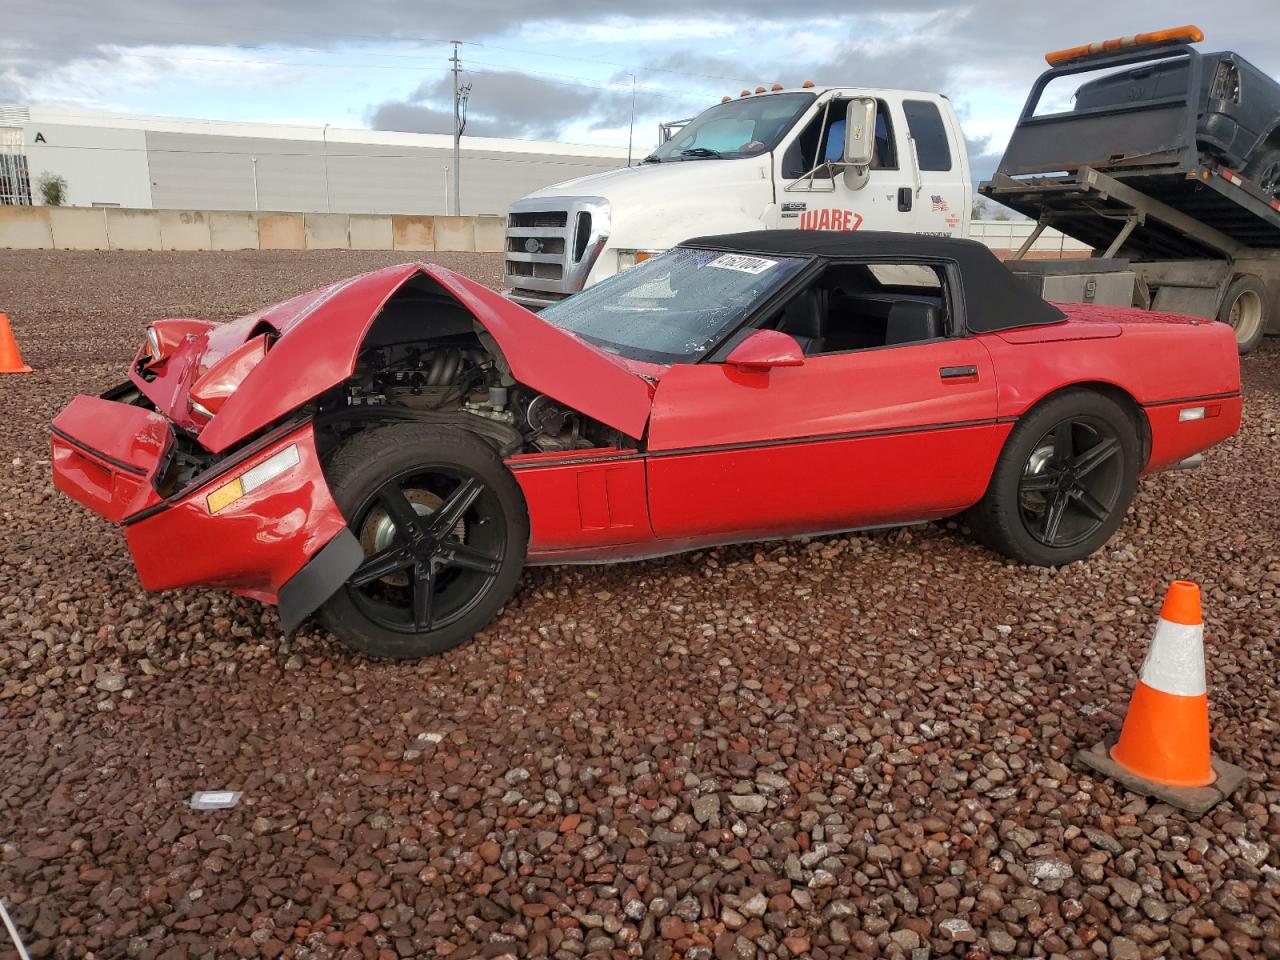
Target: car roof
[(994, 298)]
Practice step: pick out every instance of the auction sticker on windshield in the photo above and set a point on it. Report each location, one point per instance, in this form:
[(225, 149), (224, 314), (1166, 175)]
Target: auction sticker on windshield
[(742, 263)]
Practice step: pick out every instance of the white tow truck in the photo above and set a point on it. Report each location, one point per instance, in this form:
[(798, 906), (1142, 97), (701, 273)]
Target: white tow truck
[(813, 158)]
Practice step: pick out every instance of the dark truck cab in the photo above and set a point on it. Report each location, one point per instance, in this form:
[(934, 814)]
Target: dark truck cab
[(1166, 161)]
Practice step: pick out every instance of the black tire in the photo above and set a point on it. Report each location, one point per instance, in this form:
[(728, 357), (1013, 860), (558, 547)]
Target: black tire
[(1244, 308), (1265, 171), (421, 590), (1041, 467)]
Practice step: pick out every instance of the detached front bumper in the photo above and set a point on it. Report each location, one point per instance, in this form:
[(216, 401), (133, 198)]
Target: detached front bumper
[(252, 539)]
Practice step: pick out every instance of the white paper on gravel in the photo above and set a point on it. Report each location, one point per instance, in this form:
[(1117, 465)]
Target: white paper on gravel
[(214, 799), (1175, 662)]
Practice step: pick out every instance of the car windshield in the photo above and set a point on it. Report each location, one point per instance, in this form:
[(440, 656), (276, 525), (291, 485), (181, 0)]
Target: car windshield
[(739, 128), (675, 307)]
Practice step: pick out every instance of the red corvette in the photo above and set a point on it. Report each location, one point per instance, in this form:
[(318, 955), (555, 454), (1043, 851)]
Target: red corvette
[(391, 450)]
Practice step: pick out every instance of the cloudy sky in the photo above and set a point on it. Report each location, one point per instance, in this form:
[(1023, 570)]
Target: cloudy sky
[(562, 70)]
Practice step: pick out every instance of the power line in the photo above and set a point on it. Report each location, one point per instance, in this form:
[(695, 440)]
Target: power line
[(570, 80), (552, 159), (586, 82), (405, 38)]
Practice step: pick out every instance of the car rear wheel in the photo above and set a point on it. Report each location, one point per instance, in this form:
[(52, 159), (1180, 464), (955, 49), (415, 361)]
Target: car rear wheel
[(1063, 482), (1245, 308), (444, 529)]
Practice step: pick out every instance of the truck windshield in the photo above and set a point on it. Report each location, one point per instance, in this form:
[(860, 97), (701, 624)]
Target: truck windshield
[(739, 128), (675, 307)]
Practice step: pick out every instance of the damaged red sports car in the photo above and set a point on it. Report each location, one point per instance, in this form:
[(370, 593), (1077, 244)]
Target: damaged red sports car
[(390, 451)]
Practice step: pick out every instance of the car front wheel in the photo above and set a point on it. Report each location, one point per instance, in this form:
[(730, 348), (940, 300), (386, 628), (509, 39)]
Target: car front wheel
[(444, 529), (1063, 482)]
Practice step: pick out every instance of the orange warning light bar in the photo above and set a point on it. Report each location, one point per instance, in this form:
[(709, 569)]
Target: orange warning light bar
[(1184, 34)]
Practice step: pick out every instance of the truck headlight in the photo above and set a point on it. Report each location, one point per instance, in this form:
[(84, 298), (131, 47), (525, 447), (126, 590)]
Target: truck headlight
[(629, 258)]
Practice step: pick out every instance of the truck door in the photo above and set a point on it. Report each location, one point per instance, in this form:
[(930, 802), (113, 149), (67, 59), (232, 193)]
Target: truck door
[(941, 195), (894, 194)]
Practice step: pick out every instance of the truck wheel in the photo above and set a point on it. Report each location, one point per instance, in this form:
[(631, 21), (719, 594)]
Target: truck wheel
[(1265, 172), (1245, 308), (1062, 483), (444, 529)]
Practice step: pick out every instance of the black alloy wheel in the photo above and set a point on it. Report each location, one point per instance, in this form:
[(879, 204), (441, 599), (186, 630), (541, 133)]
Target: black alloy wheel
[(444, 528), (433, 542), (1063, 481), (1071, 482)]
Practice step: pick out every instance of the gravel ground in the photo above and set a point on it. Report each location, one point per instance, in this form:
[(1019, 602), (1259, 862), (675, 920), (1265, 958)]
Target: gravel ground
[(852, 746)]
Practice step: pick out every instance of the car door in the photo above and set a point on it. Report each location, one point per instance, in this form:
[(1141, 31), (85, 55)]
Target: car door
[(828, 202), (864, 438)]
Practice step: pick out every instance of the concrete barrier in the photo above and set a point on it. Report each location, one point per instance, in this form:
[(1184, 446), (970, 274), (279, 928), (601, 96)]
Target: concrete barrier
[(370, 232), (456, 234), (133, 229), (413, 233), (232, 231), (327, 231), (490, 234), (78, 228), (116, 228), (281, 231), (184, 230), (25, 228)]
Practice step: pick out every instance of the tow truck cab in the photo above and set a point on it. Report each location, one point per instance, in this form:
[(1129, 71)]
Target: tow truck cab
[(813, 158)]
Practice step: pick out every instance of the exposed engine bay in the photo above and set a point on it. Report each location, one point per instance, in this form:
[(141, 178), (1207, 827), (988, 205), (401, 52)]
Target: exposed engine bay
[(455, 375), (463, 381), (424, 358)]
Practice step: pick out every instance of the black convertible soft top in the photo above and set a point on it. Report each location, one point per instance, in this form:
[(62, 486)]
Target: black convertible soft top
[(994, 298)]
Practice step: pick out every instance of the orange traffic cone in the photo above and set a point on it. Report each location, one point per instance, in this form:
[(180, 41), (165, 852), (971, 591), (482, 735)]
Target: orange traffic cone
[(1163, 748), (10, 358)]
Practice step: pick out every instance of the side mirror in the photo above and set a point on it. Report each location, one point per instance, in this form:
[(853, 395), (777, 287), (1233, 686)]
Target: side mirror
[(764, 350), (860, 132), (859, 141)]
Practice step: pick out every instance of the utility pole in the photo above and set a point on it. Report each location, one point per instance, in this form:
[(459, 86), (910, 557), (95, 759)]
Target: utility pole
[(328, 205), (457, 134), (631, 132)]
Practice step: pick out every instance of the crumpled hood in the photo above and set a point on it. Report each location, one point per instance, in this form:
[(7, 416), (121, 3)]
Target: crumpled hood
[(318, 339)]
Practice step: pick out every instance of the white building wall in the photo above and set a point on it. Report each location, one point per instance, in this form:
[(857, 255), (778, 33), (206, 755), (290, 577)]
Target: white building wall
[(102, 165), (170, 163)]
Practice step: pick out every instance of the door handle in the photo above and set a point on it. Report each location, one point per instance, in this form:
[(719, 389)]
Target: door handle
[(904, 199), (958, 373)]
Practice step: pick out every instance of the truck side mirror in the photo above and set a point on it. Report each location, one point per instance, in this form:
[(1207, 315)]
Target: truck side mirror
[(859, 141)]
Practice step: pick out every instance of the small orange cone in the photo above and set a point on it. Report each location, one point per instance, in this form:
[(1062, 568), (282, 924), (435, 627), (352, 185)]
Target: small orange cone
[(10, 358), (1163, 748)]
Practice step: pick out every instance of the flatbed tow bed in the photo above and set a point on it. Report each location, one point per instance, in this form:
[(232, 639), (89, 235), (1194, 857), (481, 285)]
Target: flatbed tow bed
[(1136, 177)]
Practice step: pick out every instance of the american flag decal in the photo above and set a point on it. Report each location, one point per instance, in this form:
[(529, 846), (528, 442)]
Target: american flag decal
[(939, 204)]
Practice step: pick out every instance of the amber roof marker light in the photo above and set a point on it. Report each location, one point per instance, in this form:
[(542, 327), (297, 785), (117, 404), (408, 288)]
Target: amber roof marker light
[(1189, 33)]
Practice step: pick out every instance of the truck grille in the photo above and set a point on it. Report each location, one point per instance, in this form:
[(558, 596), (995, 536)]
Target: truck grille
[(545, 218), (552, 243), (539, 271), (535, 245)]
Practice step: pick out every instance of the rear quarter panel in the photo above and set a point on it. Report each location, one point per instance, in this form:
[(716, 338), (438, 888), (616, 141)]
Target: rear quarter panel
[(1156, 358), (1164, 362)]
